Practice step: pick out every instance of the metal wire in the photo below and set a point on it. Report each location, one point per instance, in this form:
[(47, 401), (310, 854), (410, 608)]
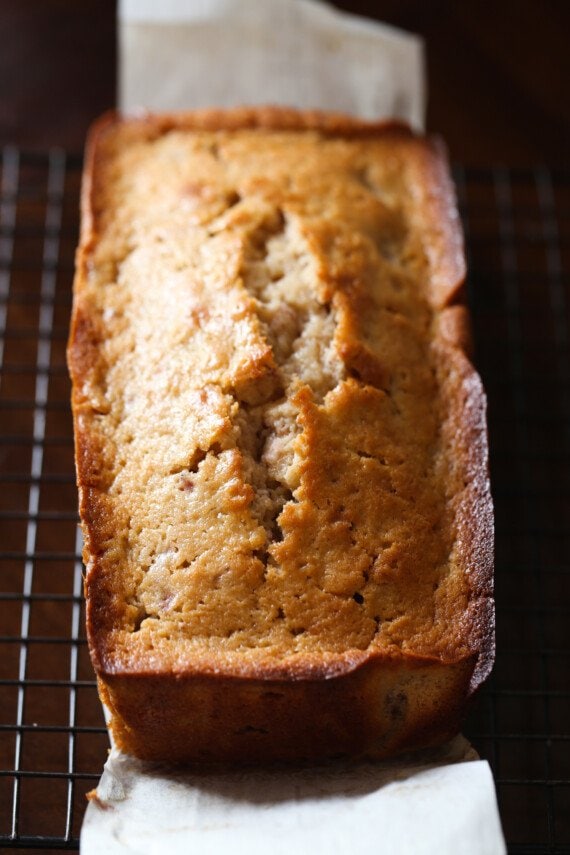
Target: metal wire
[(52, 735), (517, 229), (55, 181), (44, 702)]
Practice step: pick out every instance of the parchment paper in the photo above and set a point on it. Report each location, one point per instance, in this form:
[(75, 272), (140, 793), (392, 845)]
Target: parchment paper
[(447, 806), (182, 54)]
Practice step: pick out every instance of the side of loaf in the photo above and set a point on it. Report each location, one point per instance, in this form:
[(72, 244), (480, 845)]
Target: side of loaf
[(280, 439)]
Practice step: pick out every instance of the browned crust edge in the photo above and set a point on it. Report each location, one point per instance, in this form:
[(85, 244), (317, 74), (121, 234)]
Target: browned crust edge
[(439, 222), (475, 526), (370, 712), (441, 225), (267, 117)]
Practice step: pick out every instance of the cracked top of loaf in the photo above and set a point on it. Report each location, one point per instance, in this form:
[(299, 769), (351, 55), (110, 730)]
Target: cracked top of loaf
[(280, 439)]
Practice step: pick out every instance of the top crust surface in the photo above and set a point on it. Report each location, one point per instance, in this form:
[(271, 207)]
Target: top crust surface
[(280, 440)]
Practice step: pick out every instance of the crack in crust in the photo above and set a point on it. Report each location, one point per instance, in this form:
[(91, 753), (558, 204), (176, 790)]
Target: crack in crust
[(278, 275)]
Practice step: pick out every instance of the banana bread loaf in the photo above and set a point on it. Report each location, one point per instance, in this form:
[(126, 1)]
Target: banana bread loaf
[(280, 439)]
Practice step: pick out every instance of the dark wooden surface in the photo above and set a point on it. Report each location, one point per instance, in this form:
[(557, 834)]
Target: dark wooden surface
[(499, 74)]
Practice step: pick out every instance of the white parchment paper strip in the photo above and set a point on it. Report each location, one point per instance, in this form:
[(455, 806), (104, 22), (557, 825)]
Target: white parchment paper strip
[(362, 808), (203, 53)]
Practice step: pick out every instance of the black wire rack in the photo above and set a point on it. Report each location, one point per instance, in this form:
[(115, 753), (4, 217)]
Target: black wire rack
[(53, 742)]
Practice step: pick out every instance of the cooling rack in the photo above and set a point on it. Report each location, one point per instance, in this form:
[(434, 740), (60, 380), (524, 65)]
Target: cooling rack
[(52, 738)]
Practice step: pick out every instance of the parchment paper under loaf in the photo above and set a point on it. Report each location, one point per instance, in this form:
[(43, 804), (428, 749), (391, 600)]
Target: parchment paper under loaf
[(354, 809), (183, 54)]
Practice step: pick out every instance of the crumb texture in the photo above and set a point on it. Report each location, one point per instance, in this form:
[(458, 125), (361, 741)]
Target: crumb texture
[(262, 397)]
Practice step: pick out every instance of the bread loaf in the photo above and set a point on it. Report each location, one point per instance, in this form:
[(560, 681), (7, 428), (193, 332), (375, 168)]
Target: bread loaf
[(280, 439)]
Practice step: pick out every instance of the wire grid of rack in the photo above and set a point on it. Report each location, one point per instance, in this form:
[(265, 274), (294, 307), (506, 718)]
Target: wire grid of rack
[(52, 737)]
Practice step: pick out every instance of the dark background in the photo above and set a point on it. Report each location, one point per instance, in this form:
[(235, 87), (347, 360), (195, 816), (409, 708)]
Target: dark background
[(499, 73), (499, 95)]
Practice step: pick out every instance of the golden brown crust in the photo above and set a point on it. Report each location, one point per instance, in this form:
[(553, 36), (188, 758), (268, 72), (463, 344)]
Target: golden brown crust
[(434, 664), (474, 543), (369, 711), (437, 212), (269, 117)]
